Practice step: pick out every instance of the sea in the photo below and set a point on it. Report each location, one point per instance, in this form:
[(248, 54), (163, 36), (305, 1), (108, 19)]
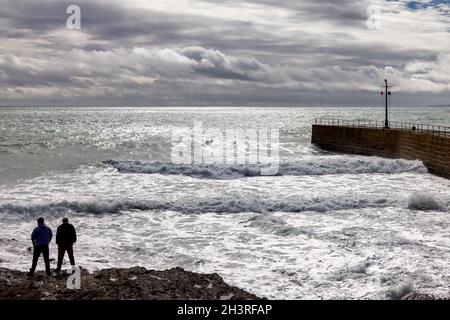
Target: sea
[(323, 226)]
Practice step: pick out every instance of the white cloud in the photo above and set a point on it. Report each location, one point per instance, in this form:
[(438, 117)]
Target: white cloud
[(176, 50), (143, 67)]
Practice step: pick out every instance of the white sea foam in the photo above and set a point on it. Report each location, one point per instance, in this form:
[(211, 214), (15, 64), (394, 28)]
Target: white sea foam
[(368, 245), (311, 166), (269, 223), (213, 205), (399, 291), (423, 201)]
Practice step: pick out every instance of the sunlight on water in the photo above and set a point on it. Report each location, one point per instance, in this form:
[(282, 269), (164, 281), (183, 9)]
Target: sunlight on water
[(327, 226)]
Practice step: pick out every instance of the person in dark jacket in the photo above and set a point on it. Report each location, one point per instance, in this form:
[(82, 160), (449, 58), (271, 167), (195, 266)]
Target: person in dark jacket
[(41, 237), (66, 236)]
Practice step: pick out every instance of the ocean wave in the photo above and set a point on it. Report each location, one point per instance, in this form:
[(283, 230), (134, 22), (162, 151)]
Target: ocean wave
[(312, 166), (277, 226), (194, 206), (423, 201)]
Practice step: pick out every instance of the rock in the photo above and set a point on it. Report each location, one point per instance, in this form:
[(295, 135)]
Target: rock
[(129, 284), (416, 295), (401, 290)]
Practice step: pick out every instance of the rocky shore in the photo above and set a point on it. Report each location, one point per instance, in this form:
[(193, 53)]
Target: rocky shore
[(417, 295), (124, 284), (136, 283)]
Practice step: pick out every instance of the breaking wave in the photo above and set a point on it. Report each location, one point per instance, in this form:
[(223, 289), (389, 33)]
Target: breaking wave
[(316, 166), (214, 205), (423, 201)]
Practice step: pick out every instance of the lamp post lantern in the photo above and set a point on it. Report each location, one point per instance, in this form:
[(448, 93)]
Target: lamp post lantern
[(386, 93)]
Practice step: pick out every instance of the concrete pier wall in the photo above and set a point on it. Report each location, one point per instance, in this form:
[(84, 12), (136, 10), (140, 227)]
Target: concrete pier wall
[(432, 149)]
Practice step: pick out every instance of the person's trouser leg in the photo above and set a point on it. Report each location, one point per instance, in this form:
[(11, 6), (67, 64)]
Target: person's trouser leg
[(46, 254), (61, 251), (36, 253), (70, 254)]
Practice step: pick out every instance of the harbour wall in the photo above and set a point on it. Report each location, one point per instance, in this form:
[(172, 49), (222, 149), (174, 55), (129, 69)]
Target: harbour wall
[(431, 148)]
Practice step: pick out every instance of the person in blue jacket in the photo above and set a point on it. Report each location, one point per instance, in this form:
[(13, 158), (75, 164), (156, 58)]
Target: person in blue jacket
[(41, 237)]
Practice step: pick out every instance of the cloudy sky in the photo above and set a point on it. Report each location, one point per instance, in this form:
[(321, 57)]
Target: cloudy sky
[(223, 52)]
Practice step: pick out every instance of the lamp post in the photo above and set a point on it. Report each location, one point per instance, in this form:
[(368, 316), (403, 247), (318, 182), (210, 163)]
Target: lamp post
[(386, 93)]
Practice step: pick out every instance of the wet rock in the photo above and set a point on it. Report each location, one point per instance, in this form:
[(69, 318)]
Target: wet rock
[(129, 284), (399, 291), (416, 295)]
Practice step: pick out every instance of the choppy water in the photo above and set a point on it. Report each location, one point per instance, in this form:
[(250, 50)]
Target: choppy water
[(327, 226)]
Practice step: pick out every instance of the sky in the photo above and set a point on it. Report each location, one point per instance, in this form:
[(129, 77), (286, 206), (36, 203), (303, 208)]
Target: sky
[(224, 53)]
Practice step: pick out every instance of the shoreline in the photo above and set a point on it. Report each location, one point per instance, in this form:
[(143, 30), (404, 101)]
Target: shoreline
[(135, 283), (138, 283)]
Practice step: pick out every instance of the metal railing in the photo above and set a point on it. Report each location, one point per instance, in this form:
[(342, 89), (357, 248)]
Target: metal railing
[(412, 127)]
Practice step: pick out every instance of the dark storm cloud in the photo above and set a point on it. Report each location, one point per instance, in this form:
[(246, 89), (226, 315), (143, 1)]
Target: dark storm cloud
[(14, 73), (34, 16), (341, 11), (115, 26), (110, 26), (212, 52)]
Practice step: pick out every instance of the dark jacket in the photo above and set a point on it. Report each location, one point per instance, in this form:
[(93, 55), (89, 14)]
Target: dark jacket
[(66, 234), (42, 235)]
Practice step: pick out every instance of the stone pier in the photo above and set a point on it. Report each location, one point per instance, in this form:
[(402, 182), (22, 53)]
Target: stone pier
[(430, 144)]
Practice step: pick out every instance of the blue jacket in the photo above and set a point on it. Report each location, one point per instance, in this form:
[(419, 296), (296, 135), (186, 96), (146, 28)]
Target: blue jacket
[(42, 235)]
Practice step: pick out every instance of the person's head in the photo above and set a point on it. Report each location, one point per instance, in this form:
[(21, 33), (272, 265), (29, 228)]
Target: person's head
[(40, 221), (65, 220)]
